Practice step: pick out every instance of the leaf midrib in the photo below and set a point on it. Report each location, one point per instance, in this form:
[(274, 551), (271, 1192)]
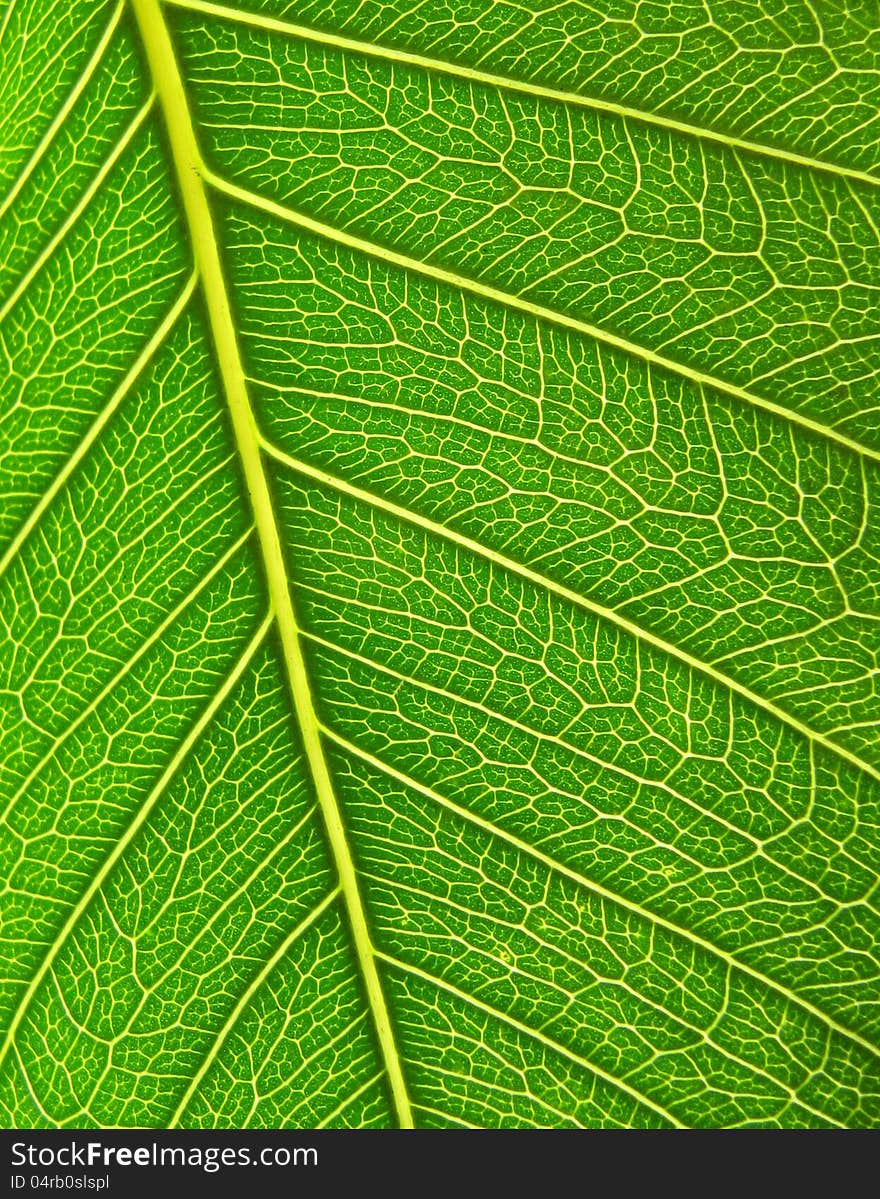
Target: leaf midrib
[(188, 170)]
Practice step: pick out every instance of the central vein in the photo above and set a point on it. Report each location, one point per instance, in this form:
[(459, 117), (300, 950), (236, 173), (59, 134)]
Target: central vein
[(188, 166)]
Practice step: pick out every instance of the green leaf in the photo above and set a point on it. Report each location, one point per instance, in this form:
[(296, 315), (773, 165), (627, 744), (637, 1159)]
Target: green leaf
[(439, 580)]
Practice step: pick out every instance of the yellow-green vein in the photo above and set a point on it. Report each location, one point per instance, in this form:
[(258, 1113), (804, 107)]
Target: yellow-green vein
[(573, 597), (611, 897), (77, 211), (538, 311), (64, 111), (133, 829), (152, 638), (507, 83), (534, 1034), (245, 998), (187, 161), (131, 376)]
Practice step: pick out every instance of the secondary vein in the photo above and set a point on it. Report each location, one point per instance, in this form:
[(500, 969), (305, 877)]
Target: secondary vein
[(188, 166), (539, 312), (125, 669), (64, 111), (133, 829), (535, 1034), (444, 532), (612, 897), (245, 998), (132, 375), (508, 83), (79, 208)]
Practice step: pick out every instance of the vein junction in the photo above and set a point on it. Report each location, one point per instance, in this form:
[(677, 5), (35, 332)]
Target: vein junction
[(189, 173), (574, 837)]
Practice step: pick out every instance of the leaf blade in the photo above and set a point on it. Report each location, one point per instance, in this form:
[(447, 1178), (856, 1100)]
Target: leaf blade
[(169, 85), (581, 654)]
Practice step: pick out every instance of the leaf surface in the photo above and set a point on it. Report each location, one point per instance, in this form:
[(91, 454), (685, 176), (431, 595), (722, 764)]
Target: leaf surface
[(439, 564)]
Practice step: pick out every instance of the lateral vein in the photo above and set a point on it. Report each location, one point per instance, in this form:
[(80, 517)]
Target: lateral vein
[(508, 83), (137, 368), (245, 998), (537, 311), (581, 880), (125, 669), (65, 109), (189, 170), (566, 593), (77, 211), (533, 1034), (133, 829)]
